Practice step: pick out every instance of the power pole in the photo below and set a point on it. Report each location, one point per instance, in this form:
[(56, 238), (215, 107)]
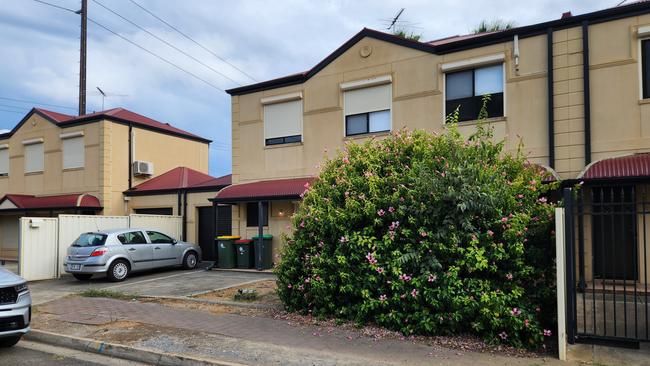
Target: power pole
[(82, 57)]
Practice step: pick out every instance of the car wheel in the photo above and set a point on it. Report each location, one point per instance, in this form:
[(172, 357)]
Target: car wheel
[(190, 260), (118, 271), (82, 276), (9, 341)]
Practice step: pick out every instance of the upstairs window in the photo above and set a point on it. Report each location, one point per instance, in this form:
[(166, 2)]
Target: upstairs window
[(467, 88), (368, 110), (282, 119), (33, 155), (4, 160), (73, 150)]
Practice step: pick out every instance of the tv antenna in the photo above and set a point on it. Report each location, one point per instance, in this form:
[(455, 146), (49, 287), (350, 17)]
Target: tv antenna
[(106, 95), (395, 18)]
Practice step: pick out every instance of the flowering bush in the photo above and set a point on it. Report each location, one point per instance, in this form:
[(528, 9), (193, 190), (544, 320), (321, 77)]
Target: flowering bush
[(426, 234)]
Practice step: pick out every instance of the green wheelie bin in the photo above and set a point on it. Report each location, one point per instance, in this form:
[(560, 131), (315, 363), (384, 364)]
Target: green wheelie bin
[(265, 259), (244, 250), (226, 251)]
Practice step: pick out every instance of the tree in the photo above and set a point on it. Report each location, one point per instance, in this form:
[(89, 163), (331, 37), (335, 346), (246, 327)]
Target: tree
[(494, 25)]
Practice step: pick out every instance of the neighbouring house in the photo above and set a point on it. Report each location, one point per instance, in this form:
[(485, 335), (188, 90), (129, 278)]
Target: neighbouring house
[(52, 163), (575, 91), (185, 192)]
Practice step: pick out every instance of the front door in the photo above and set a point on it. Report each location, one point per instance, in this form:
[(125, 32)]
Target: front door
[(206, 229), (613, 233), (164, 250), (138, 249)]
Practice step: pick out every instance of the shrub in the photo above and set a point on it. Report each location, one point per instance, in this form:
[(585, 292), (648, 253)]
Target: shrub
[(426, 234)]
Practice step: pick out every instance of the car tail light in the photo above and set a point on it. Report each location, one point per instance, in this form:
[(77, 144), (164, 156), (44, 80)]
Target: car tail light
[(98, 252)]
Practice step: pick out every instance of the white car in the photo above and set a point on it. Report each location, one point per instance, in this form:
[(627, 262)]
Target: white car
[(15, 308)]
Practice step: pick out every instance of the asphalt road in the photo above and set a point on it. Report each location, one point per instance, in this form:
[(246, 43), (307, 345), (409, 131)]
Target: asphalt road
[(31, 353)]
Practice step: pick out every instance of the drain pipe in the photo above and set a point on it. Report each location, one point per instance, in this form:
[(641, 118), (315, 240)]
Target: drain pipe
[(585, 90), (551, 117), (185, 215)]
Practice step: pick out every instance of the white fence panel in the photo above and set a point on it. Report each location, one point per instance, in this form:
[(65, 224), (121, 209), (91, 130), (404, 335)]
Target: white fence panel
[(71, 226), (170, 225), (38, 248)]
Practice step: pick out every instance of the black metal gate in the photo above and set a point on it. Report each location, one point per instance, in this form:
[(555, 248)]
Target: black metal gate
[(606, 229)]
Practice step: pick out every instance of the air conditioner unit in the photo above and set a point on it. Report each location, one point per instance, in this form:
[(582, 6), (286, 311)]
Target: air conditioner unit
[(142, 168)]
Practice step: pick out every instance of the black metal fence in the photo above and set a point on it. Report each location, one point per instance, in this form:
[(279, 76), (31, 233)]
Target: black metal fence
[(607, 228)]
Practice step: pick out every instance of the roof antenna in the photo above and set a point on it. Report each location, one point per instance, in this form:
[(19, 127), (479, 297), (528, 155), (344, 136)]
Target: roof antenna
[(392, 23), (106, 95)]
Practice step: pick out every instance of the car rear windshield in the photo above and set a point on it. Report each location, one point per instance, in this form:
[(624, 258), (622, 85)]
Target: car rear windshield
[(90, 240)]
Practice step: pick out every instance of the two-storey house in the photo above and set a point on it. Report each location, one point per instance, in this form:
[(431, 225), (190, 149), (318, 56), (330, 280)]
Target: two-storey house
[(575, 91), (52, 163)]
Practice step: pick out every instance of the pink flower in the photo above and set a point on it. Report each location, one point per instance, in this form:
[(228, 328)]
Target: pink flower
[(393, 226), (432, 278), (542, 199), (302, 223), (515, 312), (381, 212), (346, 160), (405, 277), (317, 278), (380, 270), (520, 196), (442, 174), (538, 309), (382, 297), (414, 293), (344, 239), (533, 182), (306, 185), (289, 286), (321, 244), (547, 333), (347, 194), (509, 276), (504, 219), (526, 323), (307, 280), (423, 234), (371, 258), (490, 233), (401, 199), (503, 335), (391, 209)]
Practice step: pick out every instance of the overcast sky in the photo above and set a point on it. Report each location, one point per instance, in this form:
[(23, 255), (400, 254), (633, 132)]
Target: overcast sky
[(265, 39)]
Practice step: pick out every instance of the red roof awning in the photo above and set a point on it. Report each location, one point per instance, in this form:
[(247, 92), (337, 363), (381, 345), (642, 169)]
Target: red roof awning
[(266, 190), (631, 166), (65, 201), (178, 179)]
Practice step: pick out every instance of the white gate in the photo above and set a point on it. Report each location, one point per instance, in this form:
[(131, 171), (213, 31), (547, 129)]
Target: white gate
[(43, 242), (170, 225), (38, 249), (71, 226)]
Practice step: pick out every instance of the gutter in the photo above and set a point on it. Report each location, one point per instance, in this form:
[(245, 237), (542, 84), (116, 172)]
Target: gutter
[(586, 91), (551, 106), (185, 215)]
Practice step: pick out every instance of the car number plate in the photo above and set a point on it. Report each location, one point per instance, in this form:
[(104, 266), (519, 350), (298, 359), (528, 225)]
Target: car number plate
[(75, 267)]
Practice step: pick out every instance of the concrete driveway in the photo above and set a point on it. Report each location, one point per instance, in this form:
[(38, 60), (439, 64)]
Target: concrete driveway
[(167, 282)]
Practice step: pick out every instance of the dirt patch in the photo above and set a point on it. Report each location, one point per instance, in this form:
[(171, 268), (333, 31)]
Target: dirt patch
[(215, 309), (266, 293)]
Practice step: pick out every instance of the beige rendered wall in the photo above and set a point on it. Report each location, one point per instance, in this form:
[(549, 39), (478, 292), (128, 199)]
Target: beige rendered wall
[(418, 102), (194, 201), (54, 179), (166, 152)]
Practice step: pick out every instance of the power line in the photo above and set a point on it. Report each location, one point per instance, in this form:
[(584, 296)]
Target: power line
[(14, 106), (137, 45), (36, 102), (191, 39), (9, 111), (56, 6), (156, 55), (164, 41)]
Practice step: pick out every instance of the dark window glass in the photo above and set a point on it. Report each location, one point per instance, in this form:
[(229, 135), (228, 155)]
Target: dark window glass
[(283, 140), (466, 89), (358, 124), (645, 67), (159, 238), (251, 214), (90, 240), (155, 211), (134, 237)]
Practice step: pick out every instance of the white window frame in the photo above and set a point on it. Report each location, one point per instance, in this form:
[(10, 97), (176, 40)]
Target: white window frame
[(291, 97), (69, 136), (31, 142), (362, 84), (642, 34), (4, 148), (473, 63)]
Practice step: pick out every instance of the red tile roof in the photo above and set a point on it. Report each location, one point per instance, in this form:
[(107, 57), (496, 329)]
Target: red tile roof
[(180, 178), (76, 200), (115, 114), (637, 165), (264, 190)]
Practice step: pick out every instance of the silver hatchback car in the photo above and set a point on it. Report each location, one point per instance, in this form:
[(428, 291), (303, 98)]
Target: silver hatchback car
[(119, 252)]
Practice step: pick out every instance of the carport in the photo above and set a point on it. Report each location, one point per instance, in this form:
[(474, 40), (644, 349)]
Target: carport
[(262, 207)]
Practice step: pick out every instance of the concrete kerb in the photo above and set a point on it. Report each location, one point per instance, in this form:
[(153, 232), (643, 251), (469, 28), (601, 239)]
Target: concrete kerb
[(121, 351)]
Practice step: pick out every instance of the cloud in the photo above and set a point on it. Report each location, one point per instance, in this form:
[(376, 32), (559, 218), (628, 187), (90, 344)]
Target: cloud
[(266, 39)]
